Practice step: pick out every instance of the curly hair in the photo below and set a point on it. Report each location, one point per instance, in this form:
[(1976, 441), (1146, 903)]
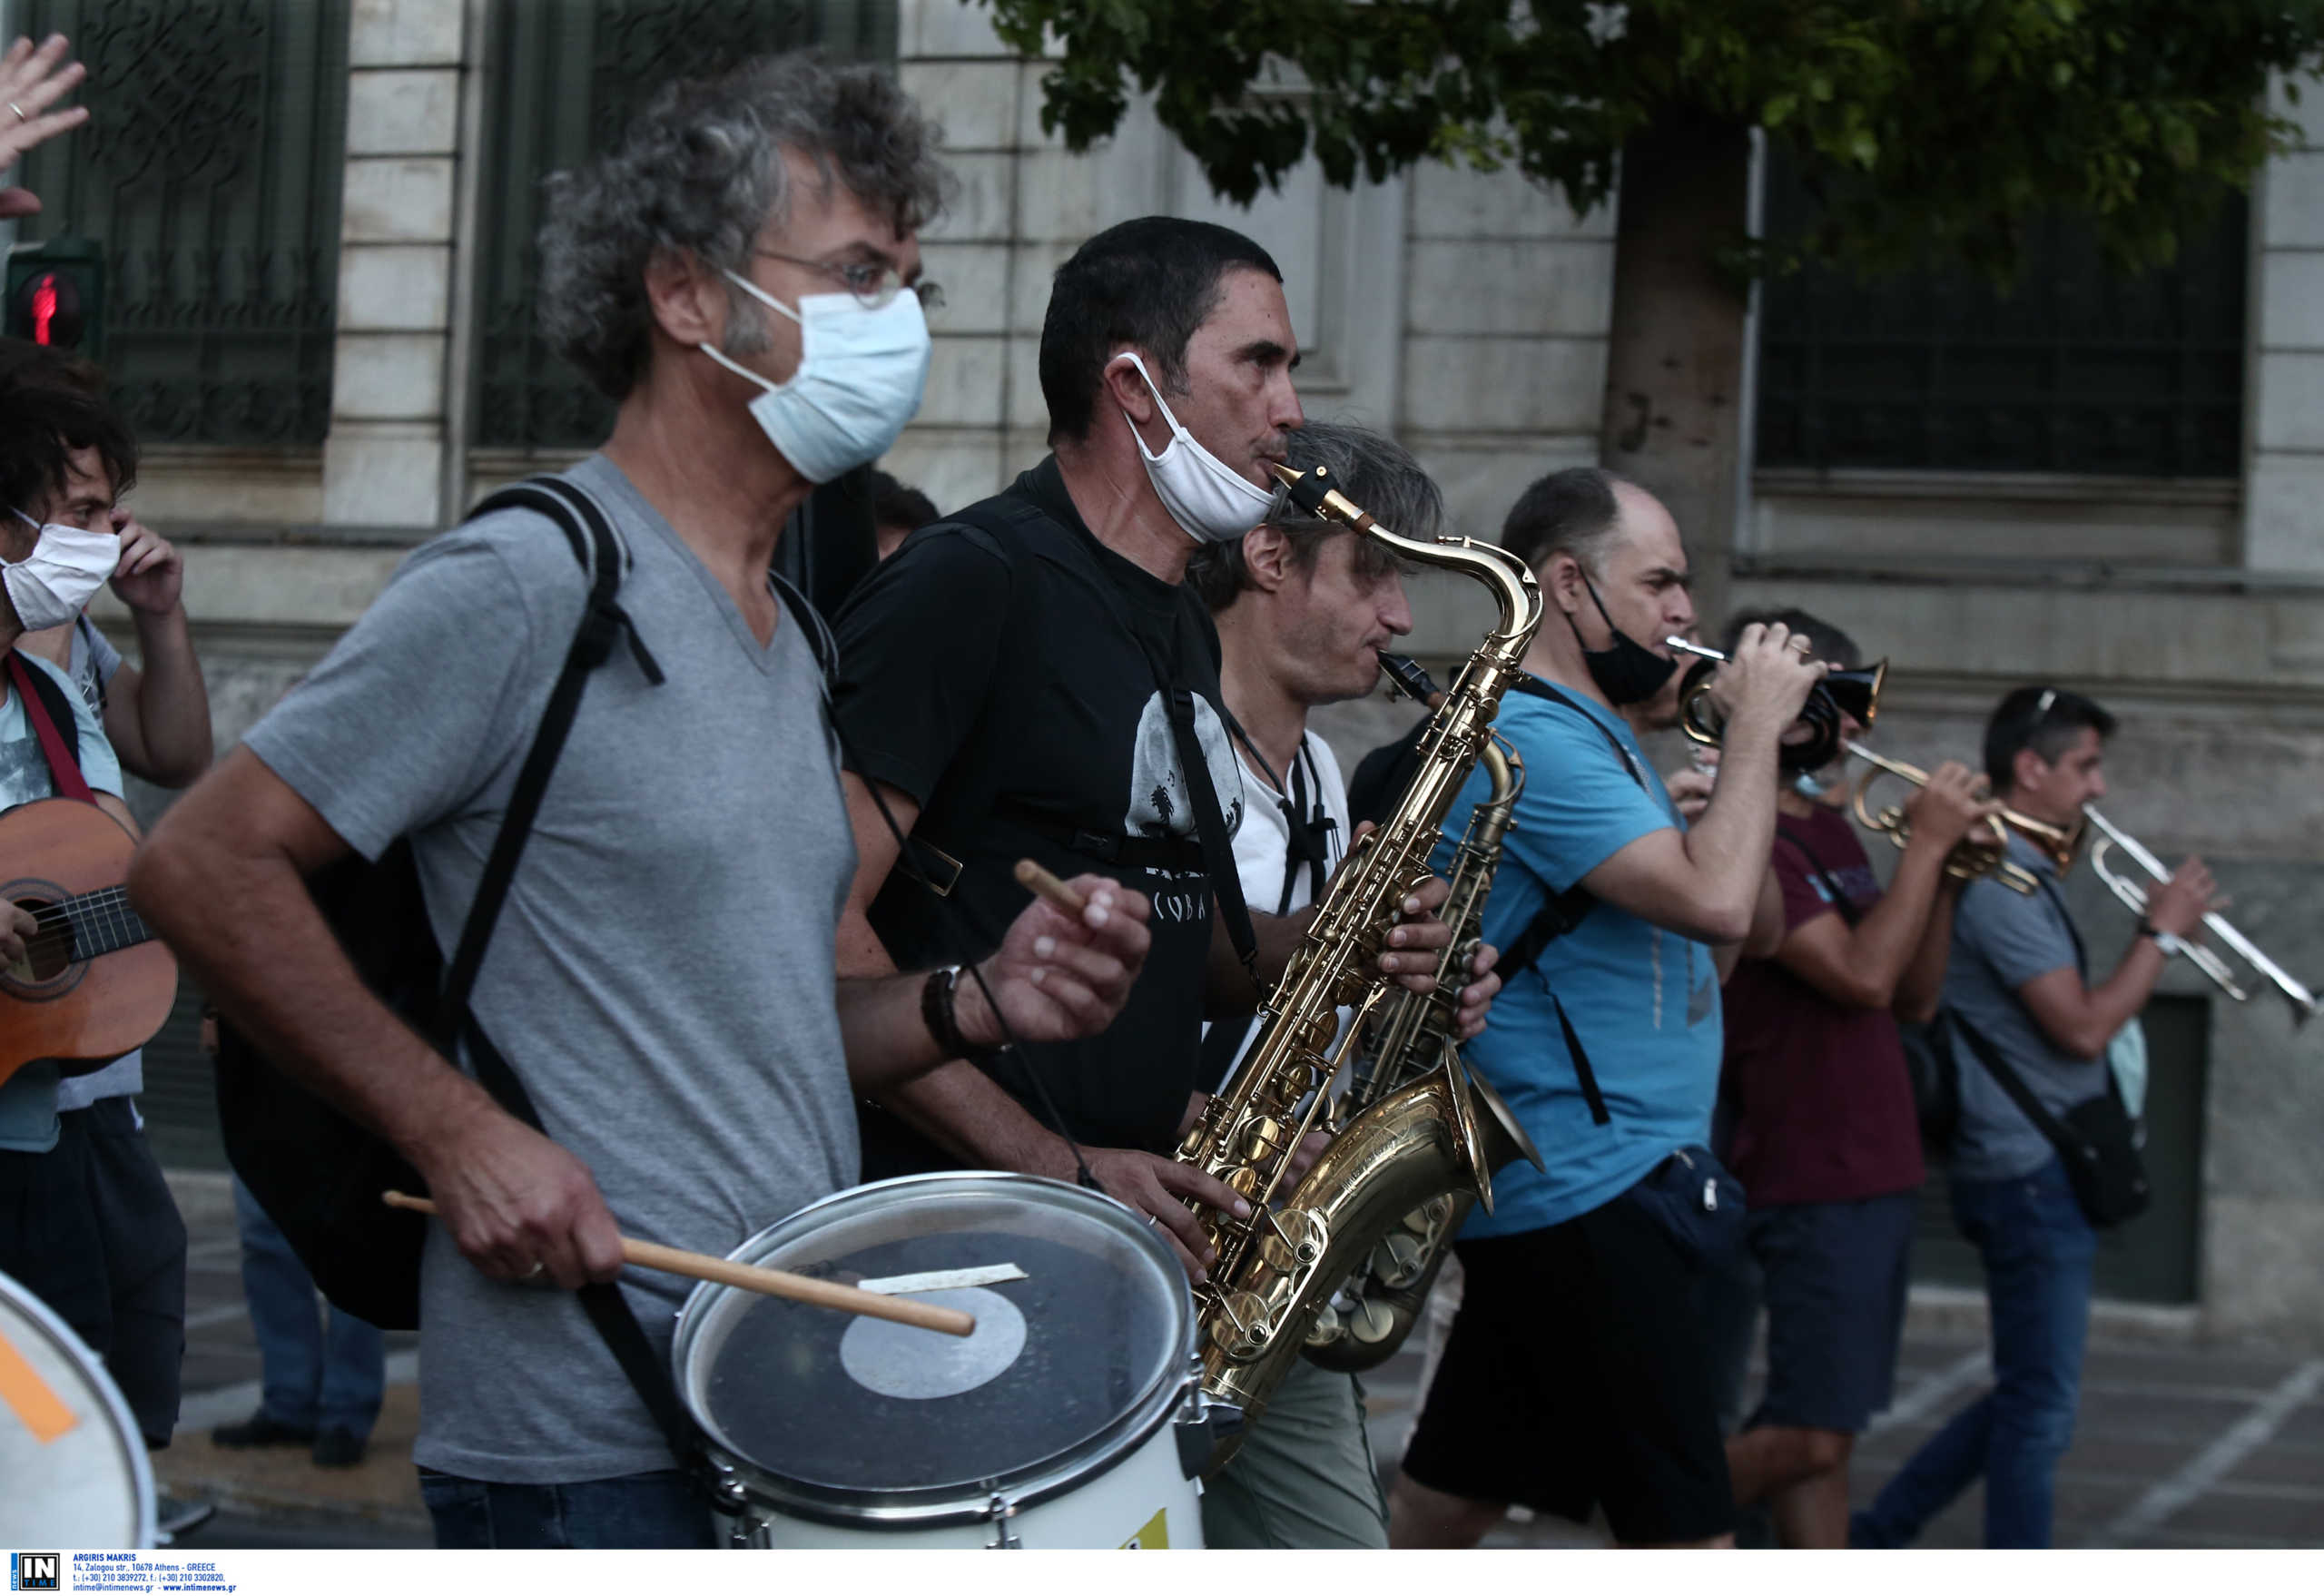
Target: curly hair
[(701, 170), (1371, 468)]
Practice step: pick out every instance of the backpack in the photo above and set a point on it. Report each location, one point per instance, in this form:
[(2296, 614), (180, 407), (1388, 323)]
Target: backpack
[(317, 1175)]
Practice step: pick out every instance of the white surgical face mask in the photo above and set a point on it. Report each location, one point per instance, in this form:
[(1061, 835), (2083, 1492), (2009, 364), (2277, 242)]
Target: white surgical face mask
[(53, 584), (861, 374), (1210, 503)]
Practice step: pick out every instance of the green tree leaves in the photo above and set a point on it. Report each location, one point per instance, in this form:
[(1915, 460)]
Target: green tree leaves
[(1925, 124)]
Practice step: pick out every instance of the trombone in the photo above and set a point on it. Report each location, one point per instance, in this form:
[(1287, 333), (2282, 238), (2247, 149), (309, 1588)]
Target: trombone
[(2133, 898), (1984, 851)]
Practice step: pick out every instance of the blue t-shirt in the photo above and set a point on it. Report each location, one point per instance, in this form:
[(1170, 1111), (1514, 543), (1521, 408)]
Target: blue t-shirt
[(1644, 1001)]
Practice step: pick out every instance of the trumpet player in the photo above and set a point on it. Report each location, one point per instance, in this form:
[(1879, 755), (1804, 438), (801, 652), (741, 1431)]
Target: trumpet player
[(1577, 1374), (2018, 978), (1823, 1132)]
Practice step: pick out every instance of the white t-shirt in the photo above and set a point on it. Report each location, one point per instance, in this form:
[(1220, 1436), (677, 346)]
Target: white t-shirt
[(94, 663), (29, 1099), (1263, 842)]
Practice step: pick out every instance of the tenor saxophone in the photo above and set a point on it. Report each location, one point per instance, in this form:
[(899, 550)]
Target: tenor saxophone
[(1368, 1317), (1276, 1268)]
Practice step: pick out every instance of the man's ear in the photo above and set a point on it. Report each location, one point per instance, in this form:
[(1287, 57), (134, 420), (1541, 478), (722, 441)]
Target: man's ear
[(2027, 770), (688, 299), (1266, 554), (1125, 390), (1566, 581)]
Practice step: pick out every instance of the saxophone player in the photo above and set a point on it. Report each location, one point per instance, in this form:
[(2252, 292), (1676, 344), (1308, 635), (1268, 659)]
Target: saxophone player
[(1303, 607), (1032, 677), (1576, 1374)]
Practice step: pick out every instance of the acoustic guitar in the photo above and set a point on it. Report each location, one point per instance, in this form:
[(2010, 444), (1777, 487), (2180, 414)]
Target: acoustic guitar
[(96, 982)]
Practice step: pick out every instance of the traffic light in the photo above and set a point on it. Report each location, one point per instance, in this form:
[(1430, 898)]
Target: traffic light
[(57, 294)]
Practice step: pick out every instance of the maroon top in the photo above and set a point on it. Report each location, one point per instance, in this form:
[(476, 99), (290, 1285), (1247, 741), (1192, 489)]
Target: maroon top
[(1823, 1106)]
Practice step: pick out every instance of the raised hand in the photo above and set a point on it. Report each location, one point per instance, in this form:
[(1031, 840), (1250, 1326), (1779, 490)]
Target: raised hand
[(151, 573), (1951, 805), (31, 81)]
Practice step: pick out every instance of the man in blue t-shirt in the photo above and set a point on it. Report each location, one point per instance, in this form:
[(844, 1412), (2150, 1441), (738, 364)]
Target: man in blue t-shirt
[(1577, 1374)]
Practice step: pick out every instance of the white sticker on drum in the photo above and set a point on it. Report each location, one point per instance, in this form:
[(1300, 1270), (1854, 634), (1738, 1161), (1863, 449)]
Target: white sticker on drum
[(900, 1360)]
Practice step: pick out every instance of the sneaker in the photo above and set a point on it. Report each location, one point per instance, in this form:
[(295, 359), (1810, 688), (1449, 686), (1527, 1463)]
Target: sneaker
[(260, 1430), (176, 1517), (338, 1449)]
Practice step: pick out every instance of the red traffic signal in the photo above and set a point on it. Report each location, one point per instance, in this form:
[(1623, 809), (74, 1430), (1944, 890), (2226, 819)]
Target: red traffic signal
[(46, 309)]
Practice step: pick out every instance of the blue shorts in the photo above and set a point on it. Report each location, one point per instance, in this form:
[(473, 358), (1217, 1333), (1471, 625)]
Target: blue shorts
[(1836, 1275)]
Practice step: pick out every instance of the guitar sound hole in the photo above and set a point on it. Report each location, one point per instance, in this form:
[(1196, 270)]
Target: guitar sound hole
[(48, 951)]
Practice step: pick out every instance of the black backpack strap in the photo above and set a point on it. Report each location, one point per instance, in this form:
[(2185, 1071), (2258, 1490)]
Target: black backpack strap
[(1210, 826), (602, 624), (1563, 912), (1840, 905), (1581, 1070), (2019, 1092)]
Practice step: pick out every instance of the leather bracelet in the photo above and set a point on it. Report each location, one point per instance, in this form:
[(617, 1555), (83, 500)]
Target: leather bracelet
[(938, 994)]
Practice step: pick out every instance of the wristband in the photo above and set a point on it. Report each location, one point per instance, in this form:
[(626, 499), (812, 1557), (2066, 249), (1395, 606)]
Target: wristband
[(2164, 942), (937, 996)]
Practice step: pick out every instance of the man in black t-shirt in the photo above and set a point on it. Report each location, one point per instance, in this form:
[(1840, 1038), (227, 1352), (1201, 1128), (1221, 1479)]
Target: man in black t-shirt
[(1020, 681)]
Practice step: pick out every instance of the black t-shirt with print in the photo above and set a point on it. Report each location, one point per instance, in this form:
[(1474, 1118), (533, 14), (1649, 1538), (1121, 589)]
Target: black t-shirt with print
[(1003, 669)]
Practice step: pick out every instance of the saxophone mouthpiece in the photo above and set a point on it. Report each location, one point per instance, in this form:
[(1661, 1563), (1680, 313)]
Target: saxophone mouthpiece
[(1309, 490)]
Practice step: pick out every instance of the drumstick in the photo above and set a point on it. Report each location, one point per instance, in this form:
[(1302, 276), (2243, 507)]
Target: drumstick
[(781, 1283), (1034, 879)]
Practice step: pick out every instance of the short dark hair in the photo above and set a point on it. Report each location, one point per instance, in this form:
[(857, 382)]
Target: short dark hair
[(1573, 511), (1825, 641), (1371, 469), (895, 505), (51, 404), (1148, 283), (2048, 719)]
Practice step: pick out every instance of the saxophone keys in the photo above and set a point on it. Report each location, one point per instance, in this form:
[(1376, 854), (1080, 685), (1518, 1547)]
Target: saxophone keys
[(1243, 1325), (1371, 1324), (1264, 1138)]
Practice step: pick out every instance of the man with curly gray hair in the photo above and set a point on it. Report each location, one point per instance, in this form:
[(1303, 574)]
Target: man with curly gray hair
[(741, 274)]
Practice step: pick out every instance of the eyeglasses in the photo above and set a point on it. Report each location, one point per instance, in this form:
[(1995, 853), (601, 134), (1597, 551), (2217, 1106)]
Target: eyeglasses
[(873, 283)]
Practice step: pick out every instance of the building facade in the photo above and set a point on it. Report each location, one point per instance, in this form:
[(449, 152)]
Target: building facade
[(322, 259)]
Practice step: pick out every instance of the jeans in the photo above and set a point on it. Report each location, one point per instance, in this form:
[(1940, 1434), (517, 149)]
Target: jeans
[(2038, 1250), (318, 1372), (658, 1510)]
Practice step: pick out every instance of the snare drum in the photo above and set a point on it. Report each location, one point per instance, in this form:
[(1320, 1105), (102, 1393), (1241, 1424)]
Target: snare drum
[(1072, 1417), (75, 1465)]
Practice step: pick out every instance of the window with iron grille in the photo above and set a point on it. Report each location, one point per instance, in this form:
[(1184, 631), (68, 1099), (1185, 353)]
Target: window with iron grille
[(566, 76), (2078, 368), (209, 171)]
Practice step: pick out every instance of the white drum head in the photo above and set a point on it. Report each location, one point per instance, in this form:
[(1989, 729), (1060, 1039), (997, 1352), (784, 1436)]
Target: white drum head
[(75, 1465)]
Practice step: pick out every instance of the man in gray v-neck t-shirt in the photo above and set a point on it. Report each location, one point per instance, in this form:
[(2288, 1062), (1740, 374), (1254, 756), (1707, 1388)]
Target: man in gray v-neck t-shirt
[(661, 976)]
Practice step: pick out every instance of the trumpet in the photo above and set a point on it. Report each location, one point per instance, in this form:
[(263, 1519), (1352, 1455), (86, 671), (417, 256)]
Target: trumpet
[(1855, 691), (2133, 898), (1984, 851)]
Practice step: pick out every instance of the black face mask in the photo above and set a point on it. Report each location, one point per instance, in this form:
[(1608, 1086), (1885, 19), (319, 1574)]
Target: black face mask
[(1628, 672)]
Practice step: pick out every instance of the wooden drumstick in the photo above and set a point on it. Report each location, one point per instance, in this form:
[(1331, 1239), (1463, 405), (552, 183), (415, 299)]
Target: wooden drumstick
[(781, 1283), (1040, 882)]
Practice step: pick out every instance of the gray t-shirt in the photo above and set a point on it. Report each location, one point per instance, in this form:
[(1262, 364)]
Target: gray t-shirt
[(2001, 941), (661, 978)]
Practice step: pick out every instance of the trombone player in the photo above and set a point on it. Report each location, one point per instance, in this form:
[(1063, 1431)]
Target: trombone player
[(2019, 979)]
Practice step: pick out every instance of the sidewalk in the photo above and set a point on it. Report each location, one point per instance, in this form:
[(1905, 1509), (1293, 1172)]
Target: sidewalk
[(377, 1503), (2179, 1445)]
